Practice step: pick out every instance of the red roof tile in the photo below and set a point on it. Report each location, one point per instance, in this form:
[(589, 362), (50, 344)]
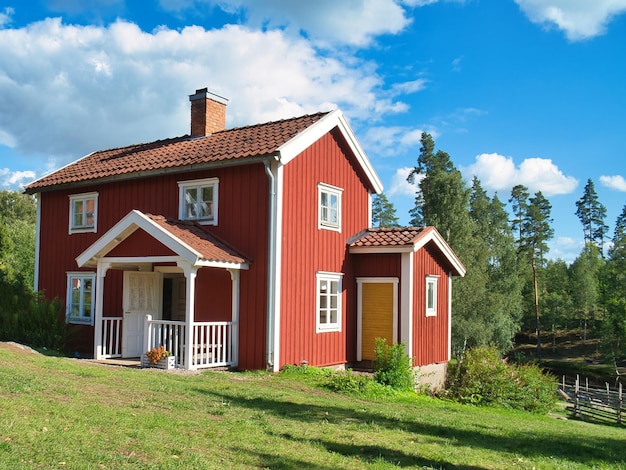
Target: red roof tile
[(238, 143), (195, 236), (388, 237)]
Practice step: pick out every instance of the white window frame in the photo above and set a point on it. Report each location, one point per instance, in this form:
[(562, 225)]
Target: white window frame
[(431, 308), (81, 319), (322, 217), (84, 198), (184, 186), (324, 278)]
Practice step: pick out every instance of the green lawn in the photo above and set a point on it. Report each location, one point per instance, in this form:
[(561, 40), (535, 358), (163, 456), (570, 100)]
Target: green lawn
[(66, 413)]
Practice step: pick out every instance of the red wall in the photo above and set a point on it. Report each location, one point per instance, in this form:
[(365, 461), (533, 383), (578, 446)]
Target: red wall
[(242, 218), (307, 250), (430, 334)]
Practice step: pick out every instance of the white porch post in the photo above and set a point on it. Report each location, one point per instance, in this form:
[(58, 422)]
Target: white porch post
[(234, 276), (190, 311), (406, 303), (147, 334), (101, 272)]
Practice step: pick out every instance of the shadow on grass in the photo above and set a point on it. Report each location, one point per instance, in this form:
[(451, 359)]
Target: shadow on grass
[(569, 447)]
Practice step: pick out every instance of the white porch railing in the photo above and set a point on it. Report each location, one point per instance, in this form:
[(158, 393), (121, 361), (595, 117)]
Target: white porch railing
[(111, 337), (212, 342)]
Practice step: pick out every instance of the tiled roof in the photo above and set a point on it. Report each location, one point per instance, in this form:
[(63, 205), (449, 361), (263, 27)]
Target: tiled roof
[(379, 237), (238, 143), (196, 237)]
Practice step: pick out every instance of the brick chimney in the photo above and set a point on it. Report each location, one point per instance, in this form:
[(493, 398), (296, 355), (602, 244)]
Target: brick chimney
[(208, 113)]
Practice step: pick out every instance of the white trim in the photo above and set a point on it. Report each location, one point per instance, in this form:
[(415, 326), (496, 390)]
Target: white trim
[(198, 184), (449, 316), (37, 242), (80, 320), (83, 197), (329, 277), (278, 256), (406, 302), (292, 148), (359, 325), (431, 280), (324, 188)]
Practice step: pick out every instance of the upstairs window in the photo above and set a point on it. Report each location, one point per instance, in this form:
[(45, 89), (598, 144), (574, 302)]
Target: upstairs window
[(328, 302), (79, 304), (83, 212), (329, 202), (431, 296), (198, 200)]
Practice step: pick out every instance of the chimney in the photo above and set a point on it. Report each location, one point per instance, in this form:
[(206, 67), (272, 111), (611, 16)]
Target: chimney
[(208, 113)]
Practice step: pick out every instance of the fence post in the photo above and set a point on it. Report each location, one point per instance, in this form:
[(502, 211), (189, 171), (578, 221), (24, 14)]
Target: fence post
[(576, 397), (620, 404)]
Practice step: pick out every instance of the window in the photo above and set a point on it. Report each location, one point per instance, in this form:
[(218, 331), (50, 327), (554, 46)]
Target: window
[(198, 200), (80, 298), (328, 302), (329, 207), (83, 212), (431, 296)]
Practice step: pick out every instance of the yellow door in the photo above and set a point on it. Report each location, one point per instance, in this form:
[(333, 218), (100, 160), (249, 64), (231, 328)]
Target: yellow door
[(376, 316)]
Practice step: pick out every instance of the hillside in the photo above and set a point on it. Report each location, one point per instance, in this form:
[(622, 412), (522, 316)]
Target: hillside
[(68, 413)]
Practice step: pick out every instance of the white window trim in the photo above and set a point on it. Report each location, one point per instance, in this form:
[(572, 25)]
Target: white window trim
[(84, 197), (183, 185), (330, 277), (69, 318), (431, 280), (334, 191)]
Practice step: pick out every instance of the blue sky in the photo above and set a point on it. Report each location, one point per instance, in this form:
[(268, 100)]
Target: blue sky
[(517, 91)]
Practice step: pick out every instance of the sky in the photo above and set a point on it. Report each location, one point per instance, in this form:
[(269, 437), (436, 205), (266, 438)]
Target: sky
[(528, 92)]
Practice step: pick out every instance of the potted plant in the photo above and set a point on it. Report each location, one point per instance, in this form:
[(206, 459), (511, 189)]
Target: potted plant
[(160, 358)]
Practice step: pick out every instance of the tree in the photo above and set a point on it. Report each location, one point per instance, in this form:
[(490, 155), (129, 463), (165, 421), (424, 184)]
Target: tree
[(17, 236), (383, 212), (614, 295), (536, 231), (592, 214), (519, 202), (584, 284)]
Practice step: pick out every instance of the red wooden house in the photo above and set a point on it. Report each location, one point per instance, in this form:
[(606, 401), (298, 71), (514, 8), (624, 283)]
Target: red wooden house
[(249, 244)]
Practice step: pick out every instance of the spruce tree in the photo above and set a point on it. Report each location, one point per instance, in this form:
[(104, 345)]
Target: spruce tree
[(383, 212)]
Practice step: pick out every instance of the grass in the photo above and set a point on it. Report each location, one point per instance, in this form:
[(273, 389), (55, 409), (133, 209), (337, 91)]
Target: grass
[(65, 413)]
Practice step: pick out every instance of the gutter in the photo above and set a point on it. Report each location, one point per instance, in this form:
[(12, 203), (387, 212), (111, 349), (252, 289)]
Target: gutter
[(272, 312)]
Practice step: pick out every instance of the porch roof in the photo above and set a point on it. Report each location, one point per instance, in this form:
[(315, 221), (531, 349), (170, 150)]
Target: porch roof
[(403, 239), (188, 240)]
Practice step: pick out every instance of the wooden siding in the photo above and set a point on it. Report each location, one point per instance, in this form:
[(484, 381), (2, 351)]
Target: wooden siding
[(430, 334), (242, 218), (307, 250), (140, 243)]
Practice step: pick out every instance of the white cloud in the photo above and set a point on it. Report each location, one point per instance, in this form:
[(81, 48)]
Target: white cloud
[(409, 87), (579, 19), (326, 22), (83, 88), (15, 179), (565, 248), (616, 182), (400, 186), (498, 173), (5, 16)]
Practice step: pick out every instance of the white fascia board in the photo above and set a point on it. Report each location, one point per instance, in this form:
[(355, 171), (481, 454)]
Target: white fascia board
[(434, 236), (125, 227), (381, 249), (295, 146), (222, 264)]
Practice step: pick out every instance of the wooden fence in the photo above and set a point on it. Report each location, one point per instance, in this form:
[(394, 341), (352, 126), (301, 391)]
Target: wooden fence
[(594, 403)]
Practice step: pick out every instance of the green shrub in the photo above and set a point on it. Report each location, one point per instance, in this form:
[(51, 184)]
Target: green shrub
[(349, 383), (27, 317), (393, 366), (485, 379)]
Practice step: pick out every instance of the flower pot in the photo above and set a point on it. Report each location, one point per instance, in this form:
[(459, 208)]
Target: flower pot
[(165, 363)]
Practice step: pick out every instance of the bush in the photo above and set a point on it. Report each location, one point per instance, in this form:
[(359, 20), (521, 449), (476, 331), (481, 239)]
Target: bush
[(393, 366), (28, 318), (485, 379)]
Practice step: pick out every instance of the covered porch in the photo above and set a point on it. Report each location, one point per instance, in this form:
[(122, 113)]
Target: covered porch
[(163, 302)]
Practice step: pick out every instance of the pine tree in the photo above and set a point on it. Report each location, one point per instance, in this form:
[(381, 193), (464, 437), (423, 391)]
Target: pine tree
[(519, 203), (592, 214), (383, 212)]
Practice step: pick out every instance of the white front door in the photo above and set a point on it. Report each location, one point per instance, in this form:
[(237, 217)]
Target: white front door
[(142, 296)]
